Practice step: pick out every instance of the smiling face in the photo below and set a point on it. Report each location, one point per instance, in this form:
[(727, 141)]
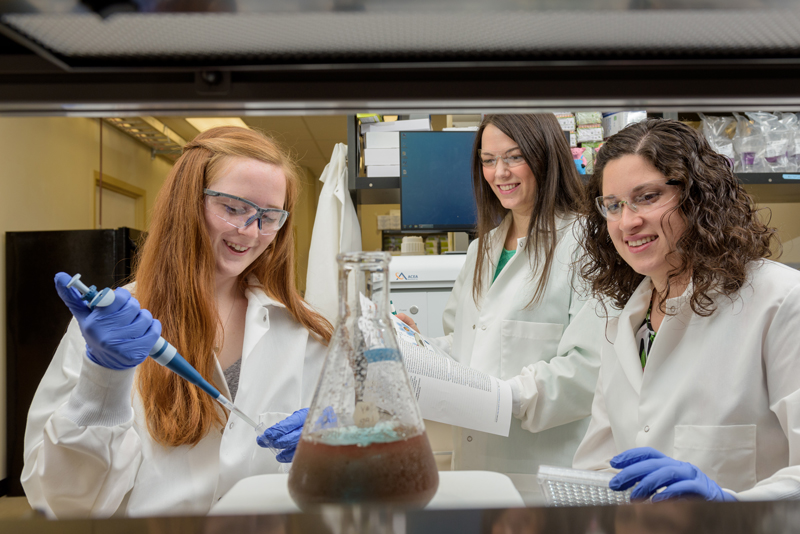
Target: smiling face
[(515, 187), (642, 239), (262, 183)]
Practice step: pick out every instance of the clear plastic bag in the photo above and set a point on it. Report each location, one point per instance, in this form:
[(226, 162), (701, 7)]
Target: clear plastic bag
[(776, 140), (749, 146), (792, 125), (718, 132)]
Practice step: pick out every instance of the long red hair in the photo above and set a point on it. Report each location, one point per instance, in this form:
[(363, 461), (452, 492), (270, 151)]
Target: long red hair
[(175, 279)]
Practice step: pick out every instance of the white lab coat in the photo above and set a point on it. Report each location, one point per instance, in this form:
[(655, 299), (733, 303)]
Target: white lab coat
[(721, 392), (336, 230), (552, 367), (88, 451)]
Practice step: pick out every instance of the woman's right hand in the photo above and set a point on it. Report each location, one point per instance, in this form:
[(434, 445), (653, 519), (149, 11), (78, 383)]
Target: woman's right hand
[(409, 321), (118, 336)]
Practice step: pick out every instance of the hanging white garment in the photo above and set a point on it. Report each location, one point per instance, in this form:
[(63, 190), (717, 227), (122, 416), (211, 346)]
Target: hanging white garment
[(336, 230)]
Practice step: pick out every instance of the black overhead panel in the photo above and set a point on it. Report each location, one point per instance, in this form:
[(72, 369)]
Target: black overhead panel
[(405, 54)]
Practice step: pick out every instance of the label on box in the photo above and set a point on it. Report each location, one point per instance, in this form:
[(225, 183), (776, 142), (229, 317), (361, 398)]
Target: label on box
[(594, 133), (567, 123)]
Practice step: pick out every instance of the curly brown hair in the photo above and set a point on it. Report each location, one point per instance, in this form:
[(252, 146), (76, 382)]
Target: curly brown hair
[(723, 231)]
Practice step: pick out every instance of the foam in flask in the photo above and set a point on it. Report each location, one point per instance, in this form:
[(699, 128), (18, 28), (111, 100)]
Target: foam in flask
[(364, 440)]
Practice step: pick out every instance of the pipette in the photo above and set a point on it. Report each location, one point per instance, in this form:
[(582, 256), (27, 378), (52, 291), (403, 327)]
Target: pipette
[(164, 353)]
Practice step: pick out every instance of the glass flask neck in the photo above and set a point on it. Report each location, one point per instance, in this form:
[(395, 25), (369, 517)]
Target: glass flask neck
[(363, 274)]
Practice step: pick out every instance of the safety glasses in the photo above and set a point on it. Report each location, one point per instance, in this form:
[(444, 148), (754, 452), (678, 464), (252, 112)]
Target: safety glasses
[(642, 198), (512, 158), (240, 213)]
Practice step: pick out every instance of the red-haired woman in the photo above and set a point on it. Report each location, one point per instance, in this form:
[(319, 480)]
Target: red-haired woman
[(112, 432), (699, 386)]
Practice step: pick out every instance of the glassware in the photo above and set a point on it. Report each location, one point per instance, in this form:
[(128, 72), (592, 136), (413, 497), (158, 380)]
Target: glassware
[(364, 440)]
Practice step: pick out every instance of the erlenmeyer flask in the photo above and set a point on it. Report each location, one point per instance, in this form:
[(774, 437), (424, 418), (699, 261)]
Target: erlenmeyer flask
[(364, 439)]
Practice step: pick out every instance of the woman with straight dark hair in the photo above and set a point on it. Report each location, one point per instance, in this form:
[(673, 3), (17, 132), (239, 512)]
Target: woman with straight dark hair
[(513, 306), (112, 432), (699, 385)]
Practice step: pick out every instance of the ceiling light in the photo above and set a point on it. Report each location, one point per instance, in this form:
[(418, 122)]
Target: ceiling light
[(206, 123)]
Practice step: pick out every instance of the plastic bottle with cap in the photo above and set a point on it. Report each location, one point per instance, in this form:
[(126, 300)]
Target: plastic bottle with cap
[(412, 246)]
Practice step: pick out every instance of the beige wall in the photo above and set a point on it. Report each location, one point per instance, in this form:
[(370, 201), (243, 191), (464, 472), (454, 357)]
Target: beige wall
[(305, 211), (785, 216), (371, 237), (47, 168)]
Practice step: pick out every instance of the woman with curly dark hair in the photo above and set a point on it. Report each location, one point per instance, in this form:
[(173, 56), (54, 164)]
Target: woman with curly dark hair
[(699, 385)]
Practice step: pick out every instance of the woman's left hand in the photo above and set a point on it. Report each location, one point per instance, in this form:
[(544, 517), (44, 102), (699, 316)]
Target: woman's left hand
[(285, 435), (409, 321), (654, 470)]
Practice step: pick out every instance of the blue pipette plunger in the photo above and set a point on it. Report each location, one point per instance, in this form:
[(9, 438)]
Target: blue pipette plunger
[(162, 352)]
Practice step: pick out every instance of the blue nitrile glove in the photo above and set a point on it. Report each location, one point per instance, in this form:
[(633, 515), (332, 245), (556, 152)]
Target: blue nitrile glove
[(118, 336), (654, 470), (285, 435)]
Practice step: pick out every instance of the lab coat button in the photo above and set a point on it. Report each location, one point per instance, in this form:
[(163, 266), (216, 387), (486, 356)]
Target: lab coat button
[(264, 318), (469, 438), (231, 425), (483, 327), (646, 428), (473, 327)]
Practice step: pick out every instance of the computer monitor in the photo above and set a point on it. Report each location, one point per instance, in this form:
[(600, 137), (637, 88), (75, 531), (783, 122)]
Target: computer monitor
[(436, 181)]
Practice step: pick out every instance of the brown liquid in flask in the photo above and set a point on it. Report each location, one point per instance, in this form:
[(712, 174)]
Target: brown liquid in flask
[(364, 440)]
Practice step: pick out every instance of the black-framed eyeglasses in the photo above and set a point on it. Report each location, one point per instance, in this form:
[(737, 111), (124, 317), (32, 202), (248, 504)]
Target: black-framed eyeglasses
[(642, 198), (240, 213)]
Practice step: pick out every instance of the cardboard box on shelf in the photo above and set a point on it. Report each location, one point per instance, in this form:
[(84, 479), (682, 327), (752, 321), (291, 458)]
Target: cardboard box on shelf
[(383, 171), (381, 156), (590, 132), (566, 120), (588, 117), (382, 139), (411, 125), (369, 117), (614, 122)]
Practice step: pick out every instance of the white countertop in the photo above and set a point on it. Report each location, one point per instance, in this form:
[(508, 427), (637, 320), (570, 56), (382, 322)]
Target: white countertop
[(268, 494)]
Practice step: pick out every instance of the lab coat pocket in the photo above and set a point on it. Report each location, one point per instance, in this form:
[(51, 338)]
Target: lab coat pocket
[(523, 343), (263, 460), (726, 454)]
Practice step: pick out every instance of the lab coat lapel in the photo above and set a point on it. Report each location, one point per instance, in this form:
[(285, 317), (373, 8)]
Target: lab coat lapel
[(628, 324), (256, 319), (497, 239), (679, 315)]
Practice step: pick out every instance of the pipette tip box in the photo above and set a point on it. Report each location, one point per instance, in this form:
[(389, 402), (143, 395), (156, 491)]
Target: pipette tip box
[(563, 486)]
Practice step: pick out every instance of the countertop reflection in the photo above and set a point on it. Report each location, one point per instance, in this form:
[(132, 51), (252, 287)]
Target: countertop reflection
[(681, 517)]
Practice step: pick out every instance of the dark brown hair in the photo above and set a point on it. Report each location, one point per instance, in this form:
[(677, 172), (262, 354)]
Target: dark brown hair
[(723, 231), (558, 190), (175, 279)]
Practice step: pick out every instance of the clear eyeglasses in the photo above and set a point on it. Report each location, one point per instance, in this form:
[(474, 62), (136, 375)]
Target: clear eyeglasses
[(240, 213), (512, 158), (642, 198)]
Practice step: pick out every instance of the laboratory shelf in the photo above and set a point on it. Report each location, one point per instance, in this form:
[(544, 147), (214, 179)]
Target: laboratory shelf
[(769, 177), (377, 183)]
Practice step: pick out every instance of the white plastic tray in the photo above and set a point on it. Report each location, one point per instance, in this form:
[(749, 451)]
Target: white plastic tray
[(268, 494), (563, 486)]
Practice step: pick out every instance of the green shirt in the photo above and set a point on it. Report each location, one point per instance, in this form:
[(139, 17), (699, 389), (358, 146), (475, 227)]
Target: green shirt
[(504, 257)]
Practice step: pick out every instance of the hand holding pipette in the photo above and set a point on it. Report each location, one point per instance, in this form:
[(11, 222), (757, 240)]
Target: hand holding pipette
[(120, 335)]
